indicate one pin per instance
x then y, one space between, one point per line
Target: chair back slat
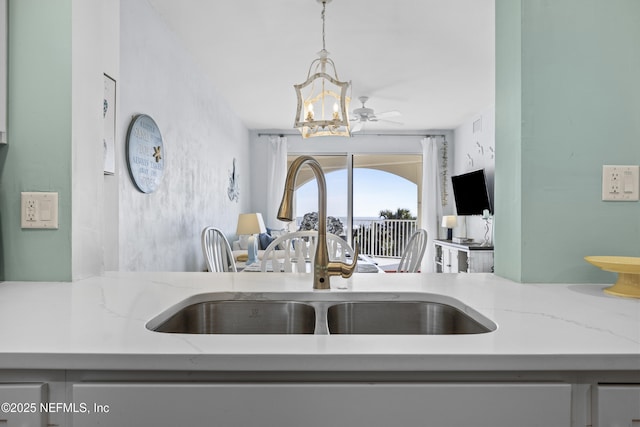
217 251
413 253
295 252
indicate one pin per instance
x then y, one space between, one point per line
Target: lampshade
250 223
322 98
449 221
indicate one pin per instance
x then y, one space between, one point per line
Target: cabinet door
321 405
618 406
449 260
481 261
21 405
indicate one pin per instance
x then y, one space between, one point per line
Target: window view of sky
374 191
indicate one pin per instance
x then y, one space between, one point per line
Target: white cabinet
462 257
325 404
618 406
449 260
21 405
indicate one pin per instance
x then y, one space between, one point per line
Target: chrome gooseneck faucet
323 268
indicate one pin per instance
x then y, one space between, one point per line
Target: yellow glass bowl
628 269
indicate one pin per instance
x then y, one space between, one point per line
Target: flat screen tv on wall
470 192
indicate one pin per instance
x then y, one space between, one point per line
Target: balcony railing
383 237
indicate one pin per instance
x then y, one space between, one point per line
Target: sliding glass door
385 200
373 197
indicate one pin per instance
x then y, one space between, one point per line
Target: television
471 193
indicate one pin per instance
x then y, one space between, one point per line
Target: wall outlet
620 183
39 210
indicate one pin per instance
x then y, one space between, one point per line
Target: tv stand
463 257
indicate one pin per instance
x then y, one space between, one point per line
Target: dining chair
413 252
294 252
217 251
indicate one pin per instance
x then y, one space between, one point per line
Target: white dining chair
295 252
217 251
413 252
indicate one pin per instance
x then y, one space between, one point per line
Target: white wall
201 137
95 49
111 67
473 151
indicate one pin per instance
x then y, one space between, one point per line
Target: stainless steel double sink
321 313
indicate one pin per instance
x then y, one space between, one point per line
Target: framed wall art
109 118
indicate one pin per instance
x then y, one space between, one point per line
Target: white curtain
276 175
431 198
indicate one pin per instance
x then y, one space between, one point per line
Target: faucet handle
345 270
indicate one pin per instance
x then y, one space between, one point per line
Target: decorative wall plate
145 153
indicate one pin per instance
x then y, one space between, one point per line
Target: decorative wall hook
234 188
444 194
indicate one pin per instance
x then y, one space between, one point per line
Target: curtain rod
360 134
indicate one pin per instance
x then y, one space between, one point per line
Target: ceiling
432 60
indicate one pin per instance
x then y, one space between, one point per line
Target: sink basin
242 317
400 317
321 313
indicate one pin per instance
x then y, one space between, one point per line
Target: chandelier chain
322 15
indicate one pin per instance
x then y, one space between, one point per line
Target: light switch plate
620 183
39 210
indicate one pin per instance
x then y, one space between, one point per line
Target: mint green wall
567 102
38 155
508 164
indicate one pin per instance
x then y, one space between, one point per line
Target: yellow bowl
628 269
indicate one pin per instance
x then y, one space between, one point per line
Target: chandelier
322 98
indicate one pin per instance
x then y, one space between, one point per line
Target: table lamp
251 224
448 222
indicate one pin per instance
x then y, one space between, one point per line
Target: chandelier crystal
322 99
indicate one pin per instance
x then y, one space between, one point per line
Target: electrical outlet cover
39 210
620 183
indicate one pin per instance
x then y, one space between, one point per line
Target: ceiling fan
364 114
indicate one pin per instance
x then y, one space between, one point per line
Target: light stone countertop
99 324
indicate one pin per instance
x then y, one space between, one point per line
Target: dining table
365 265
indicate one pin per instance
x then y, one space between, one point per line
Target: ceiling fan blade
357 127
391 122
388 114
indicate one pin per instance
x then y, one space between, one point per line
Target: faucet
323 268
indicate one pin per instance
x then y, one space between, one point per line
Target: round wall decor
145 153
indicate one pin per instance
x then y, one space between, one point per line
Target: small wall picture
109 117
